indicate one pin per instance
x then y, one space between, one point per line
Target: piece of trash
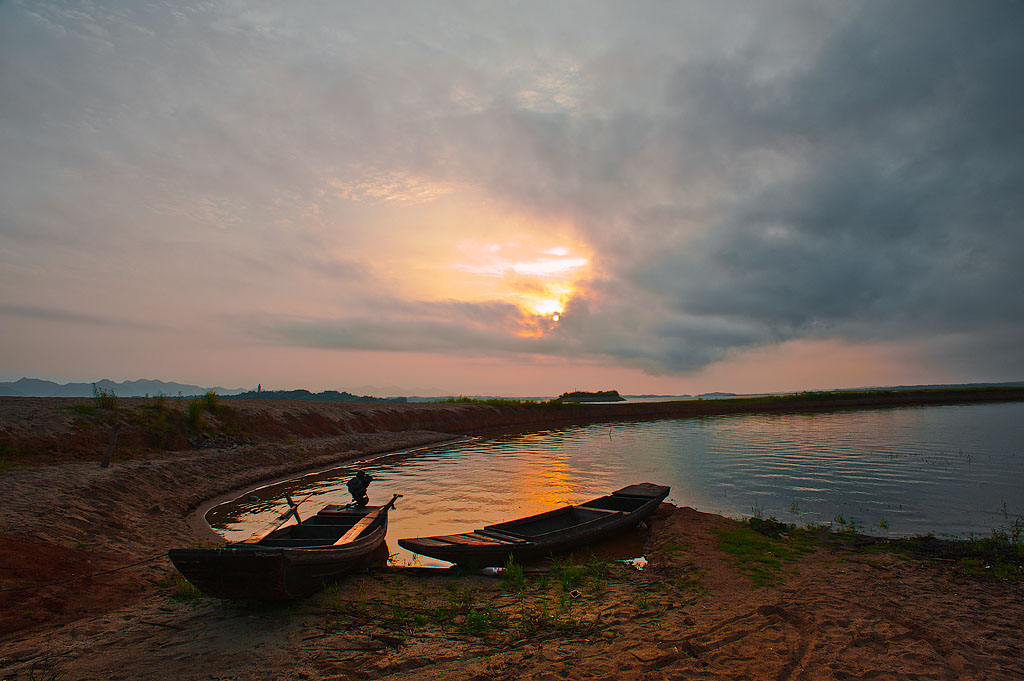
492 571
637 564
575 593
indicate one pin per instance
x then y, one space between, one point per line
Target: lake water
949 470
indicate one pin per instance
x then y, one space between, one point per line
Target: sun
540 279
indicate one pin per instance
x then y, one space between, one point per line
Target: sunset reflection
548 482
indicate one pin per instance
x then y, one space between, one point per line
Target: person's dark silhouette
357 488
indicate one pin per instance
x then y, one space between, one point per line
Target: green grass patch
519 605
184 590
761 557
8 452
1000 555
692 583
83 409
671 548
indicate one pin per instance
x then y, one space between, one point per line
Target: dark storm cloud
882 199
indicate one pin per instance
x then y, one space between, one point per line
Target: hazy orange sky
518 200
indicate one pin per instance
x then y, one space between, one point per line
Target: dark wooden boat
563 529
292 561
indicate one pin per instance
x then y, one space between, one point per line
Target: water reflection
955 469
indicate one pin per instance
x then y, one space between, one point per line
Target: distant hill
325 396
599 396
938 386
34 387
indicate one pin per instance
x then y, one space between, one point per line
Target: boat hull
264 572
557 531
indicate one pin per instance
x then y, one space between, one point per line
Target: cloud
866 191
446 327
49 314
737 175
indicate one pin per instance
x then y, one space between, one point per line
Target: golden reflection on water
547 482
934 469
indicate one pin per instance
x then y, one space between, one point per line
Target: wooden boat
291 561
555 531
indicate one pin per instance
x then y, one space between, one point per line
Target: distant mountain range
941 386
34 387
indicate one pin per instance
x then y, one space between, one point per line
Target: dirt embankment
51 430
62 516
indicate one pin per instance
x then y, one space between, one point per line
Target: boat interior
614 502
320 530
552 521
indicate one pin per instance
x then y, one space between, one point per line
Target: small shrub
210 403
195 415
105 399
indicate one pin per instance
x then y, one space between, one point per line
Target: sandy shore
829 609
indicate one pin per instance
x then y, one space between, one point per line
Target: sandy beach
716 601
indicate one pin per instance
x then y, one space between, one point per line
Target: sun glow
550 300
538 279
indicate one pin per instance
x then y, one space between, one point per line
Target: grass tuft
185 590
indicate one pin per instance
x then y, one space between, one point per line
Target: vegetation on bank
837 398
501 402
598 396
840 396
305 395
764 548
163 422
515 606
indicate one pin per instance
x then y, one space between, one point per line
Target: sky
515 199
